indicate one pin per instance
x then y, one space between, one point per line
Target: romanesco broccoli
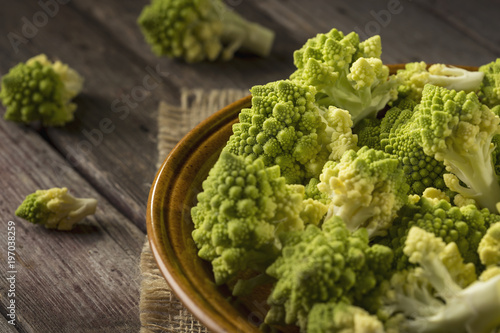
489 93
417 74
367 202
343 317
432 299
339 132
55 208
346 73
243 209
457 129
285 127
400 138
463 225
330 264
197 30
40 90
489 247
366 189
368 131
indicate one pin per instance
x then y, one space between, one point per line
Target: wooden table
88 280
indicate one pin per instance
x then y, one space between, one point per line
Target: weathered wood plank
76 281
111 156
477 20
6 327
410 31
112 141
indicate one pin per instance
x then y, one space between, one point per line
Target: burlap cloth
160 310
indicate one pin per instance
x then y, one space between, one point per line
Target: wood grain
65 281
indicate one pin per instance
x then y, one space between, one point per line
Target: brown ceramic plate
169 226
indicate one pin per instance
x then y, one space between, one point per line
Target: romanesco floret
489 247
197 30
55 208
346 73
330 264
241 213
285 127
40 90
366 189
368 131
489 93
342 317
339 132
430 296
400 138
417 74
463 225
313 192
457 129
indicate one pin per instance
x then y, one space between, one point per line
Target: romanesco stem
479 176
245 35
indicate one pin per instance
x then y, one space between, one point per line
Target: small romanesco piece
368 131
436 296
366 189
465 226
197 30
342 317
401 138
40 90
241 213
55 208
319 265
416 75
489 93
346 73
285 127
340 132
489 247
457 129
435 195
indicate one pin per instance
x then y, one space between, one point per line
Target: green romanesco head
197 30
464 226
284 127
346 73
39 90
338 135
457 129
400 137
336 317
489 92
182 29
416 75
454 121
366 188
489 247
314 193
368 131
432 254
55 208
243 209
330 264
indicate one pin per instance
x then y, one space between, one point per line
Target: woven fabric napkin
160 310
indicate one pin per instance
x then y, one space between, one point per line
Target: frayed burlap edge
160 310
